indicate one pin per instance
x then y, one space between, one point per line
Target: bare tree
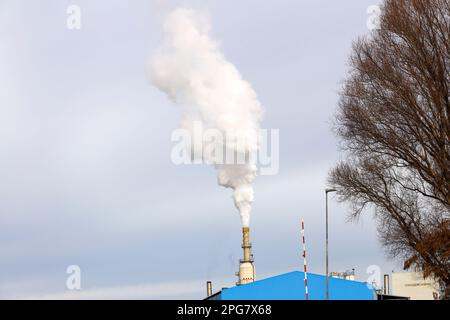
394 125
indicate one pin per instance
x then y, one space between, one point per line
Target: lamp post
327 191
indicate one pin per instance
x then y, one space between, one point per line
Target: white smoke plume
190 68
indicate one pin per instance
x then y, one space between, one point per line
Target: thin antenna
304 260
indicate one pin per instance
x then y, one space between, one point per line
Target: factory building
291 286
342 285
347 275
414 286
296 286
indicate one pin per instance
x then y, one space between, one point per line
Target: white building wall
414 286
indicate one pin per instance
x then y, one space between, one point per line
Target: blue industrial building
291 286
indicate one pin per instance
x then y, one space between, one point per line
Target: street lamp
327 191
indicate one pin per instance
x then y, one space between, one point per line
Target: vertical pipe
246 243
209 288
326 243
305 271
246 268
386 284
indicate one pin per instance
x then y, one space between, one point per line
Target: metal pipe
326 241
246 244
386 284
209 288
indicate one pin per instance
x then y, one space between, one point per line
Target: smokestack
246 243
386 284
246 267
208 288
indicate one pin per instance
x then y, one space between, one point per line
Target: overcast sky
86 176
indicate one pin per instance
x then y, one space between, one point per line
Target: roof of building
291 286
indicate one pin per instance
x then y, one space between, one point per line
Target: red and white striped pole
304 260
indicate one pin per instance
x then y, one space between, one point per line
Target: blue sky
85 169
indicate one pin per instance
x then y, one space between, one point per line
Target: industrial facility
291 286
299 285
414 286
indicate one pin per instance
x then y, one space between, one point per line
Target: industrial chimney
209 288
386 284
246 268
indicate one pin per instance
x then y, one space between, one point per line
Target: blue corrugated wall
291 286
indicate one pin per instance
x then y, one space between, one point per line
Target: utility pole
326 241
